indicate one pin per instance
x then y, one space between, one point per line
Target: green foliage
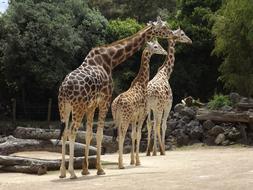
195 71
43 41
118 29
218 101
124 73
233 29
141 10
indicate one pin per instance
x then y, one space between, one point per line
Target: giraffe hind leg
65 111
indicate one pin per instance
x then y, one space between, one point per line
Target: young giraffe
90 86
159 93
129 107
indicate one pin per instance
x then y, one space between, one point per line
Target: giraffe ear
150 23
159 21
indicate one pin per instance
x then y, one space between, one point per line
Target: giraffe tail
62 128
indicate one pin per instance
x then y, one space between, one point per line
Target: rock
234 134
172 123
196 132
168 146
209 140
234 97
178 108
183 140
186 119
244 100
226 108
225 143
220 138
216 130
208 124
190 112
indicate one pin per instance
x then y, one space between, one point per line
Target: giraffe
90 87
159 94
129 107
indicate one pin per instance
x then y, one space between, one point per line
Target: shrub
219 101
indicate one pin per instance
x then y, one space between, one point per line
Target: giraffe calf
130 106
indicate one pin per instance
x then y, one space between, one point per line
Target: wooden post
14 105
49 109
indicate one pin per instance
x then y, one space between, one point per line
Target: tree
43 41
233 29
195 71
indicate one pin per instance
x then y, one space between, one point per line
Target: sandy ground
189 169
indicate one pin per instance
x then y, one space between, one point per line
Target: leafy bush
218 101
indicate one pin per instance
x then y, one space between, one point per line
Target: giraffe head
155 48
180 36
160 29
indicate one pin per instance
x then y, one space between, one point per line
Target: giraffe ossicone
90 87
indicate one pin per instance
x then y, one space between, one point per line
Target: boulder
234 134
196 132
234 97
208 124
220 139
178 108
188 111
216 130
226 108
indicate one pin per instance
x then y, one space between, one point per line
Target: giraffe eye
155 47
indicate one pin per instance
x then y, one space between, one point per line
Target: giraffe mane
127 38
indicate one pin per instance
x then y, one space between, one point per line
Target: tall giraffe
129 107
159 93
90 86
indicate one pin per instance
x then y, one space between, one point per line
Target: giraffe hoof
86 172
62 176
73 177
154 154
121 167
138 163
100 172
132 163
162 154
148 154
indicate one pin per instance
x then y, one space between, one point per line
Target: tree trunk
11 145
108 145
38 166
220 116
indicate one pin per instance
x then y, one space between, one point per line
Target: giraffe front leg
101 122
138 143
133 136
164 125
72 138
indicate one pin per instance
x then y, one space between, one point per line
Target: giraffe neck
127 47
143 75
167 67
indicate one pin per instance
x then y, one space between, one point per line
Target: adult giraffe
159 93
90 86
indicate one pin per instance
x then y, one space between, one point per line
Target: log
108 144
32 169
221 116
38 166
11 145
244 106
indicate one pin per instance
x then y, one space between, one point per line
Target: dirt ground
189 169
